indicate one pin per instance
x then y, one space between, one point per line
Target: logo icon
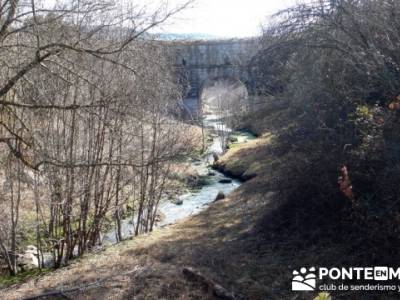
303 280
381 273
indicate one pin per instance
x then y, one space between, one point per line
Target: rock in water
215 157
177 201
220 196
192 180
225 180
160 216
233 139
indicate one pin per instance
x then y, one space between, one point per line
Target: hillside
150 266
244 243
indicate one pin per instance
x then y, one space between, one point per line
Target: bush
335 63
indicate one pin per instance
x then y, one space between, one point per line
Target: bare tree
33 36
83 91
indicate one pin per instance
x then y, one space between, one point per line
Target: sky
223 18
216 18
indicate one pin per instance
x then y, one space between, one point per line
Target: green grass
243 135
7 280
240 137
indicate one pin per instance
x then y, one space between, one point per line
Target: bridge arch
200 62
225 97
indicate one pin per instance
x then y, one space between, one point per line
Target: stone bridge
202 61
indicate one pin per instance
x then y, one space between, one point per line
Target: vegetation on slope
330 71
246 160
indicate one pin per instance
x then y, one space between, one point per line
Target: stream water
194 201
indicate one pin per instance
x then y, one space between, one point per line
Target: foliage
323 296
336 71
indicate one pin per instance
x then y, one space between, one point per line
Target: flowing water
194 201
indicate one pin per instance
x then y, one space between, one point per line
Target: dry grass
222 242
247 160
181 168
156 260
226 243
219 242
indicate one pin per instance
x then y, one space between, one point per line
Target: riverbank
194 186
283 243
224 242
203 185
235 243
247 156
230 243
202 241
183 178
150 266
189 202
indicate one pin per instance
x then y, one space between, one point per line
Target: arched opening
225 98
222 102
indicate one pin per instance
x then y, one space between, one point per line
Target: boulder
220 196
210 173
225 180
29 259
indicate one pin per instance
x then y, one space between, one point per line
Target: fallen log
62 293
217 289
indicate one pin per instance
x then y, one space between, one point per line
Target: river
197 200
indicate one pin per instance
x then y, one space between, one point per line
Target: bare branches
9 18
87 105
78 29
335 68
25 69
84 42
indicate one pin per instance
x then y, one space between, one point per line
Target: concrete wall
200 61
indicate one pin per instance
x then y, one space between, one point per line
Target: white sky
223 18
220 18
